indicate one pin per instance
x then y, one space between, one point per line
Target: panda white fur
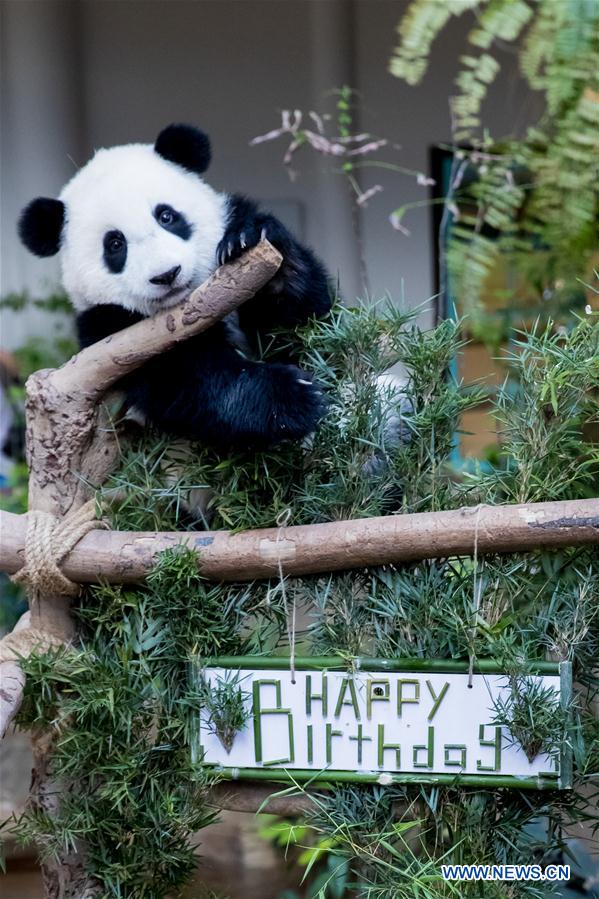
137 229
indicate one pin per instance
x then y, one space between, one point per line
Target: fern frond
557 213
501 20
423 22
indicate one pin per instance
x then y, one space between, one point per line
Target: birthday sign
374 723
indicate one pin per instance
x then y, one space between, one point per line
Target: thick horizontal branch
127 557
277 799
255 797
98 367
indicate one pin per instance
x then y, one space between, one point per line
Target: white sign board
380 725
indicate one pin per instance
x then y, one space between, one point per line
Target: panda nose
166 277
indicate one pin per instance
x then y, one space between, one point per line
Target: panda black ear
187 146
40 226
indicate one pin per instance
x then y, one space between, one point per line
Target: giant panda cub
137 229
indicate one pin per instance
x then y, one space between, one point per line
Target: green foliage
124 703
542 413
57 302
352 468
418 29
384 858
537 192
325 869
225 707
124 709
40 351
14 498
533 716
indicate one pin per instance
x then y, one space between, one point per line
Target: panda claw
229 250
242 241
302 381
263 234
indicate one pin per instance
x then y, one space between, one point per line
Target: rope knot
48 542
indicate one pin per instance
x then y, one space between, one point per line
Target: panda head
136 226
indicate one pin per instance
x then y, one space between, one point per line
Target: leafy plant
124 703
532 714
543 412
225 706
325 871
44 351
534 197
124 710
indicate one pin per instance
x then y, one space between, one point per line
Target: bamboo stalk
363 663
127 557
326 778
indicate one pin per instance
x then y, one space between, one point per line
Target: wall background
82 74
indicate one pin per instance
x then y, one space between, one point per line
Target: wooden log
256 797
278 799
12 680
126 557
95 369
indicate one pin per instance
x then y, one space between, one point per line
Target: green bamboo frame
364 663
327 778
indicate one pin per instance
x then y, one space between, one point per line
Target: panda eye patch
172 221
115 251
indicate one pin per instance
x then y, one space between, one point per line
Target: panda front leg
298 291
205 390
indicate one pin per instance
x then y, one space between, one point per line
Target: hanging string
283 519
477 585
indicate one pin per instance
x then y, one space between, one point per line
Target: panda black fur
137 229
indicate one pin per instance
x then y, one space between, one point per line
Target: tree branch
95 369
12 679
127 556
243 796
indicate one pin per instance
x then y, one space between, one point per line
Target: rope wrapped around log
48 541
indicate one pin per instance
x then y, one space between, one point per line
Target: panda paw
242 236
297 403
